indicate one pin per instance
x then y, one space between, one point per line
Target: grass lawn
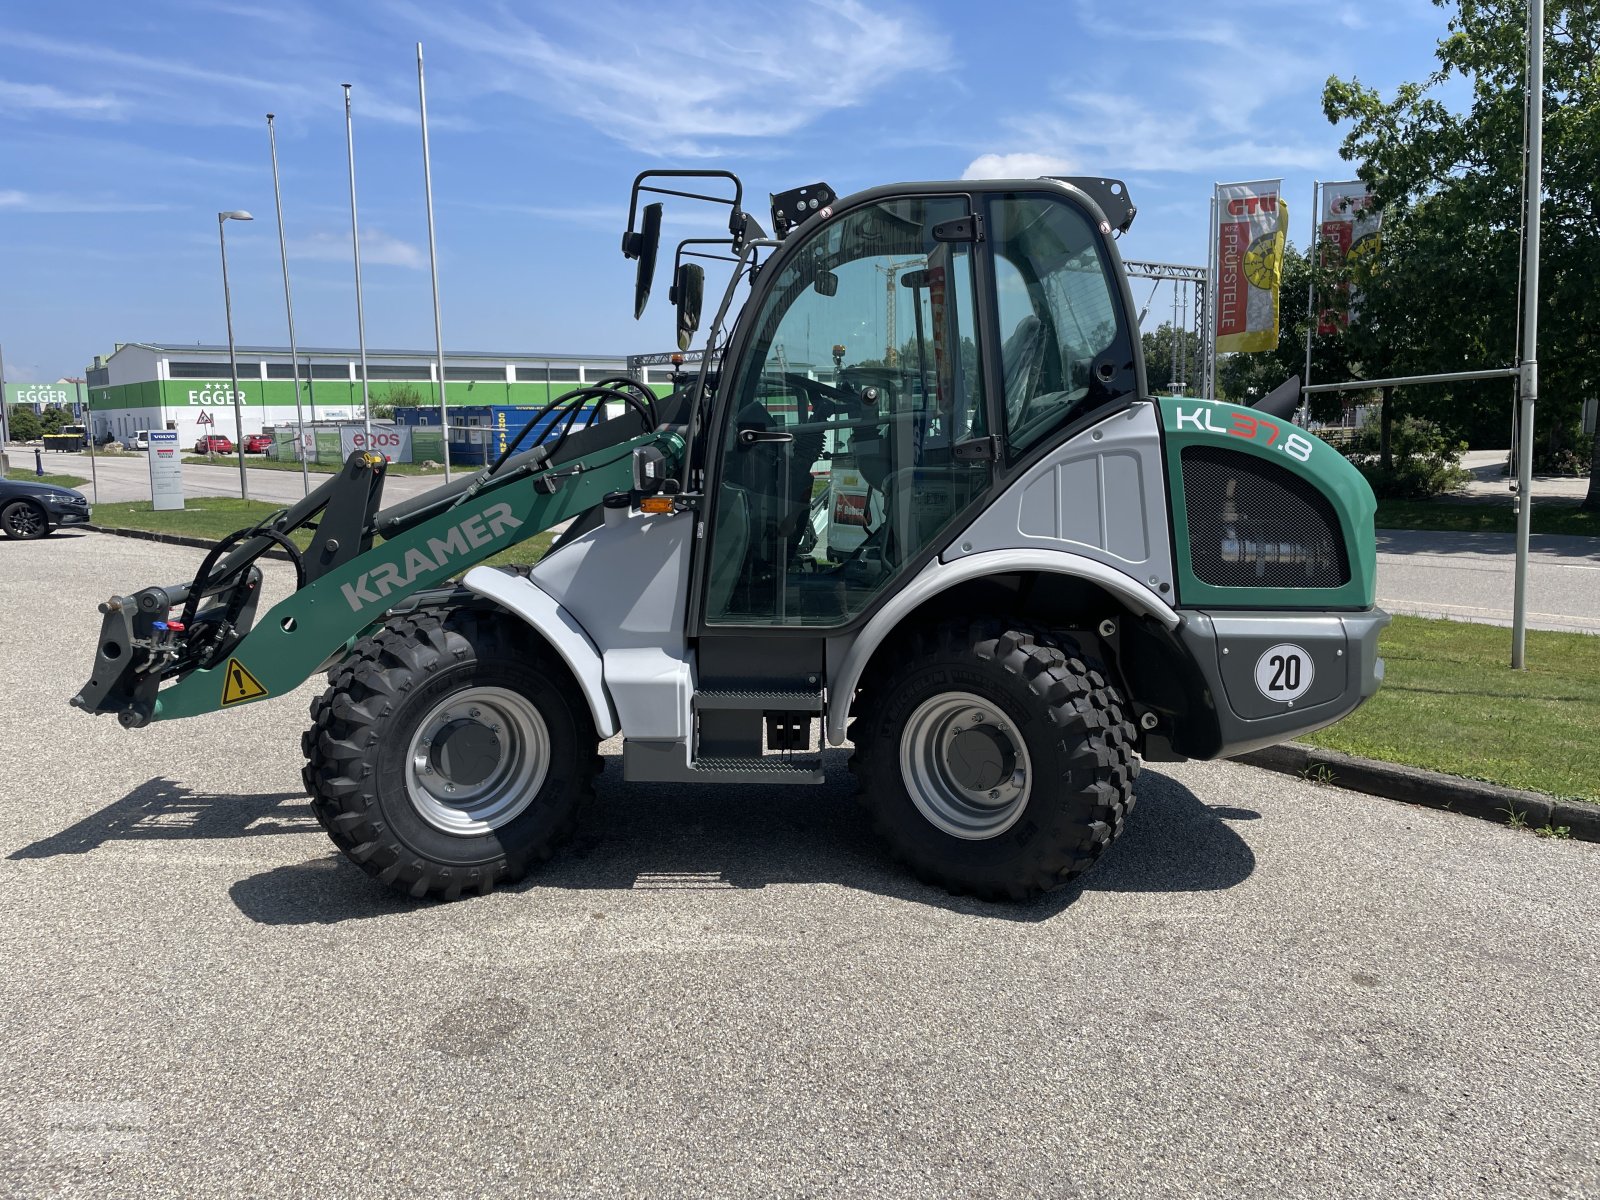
70 481
1457 517
213 517
1450 703
257 463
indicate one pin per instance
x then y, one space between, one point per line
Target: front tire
996 761
447 756
23 521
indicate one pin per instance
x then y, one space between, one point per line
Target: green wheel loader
915 496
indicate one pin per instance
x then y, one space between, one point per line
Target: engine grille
1254 524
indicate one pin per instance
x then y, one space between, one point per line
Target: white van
139 441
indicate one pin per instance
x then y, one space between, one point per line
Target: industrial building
145 385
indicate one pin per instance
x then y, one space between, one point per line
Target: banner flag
1252 220
1348 229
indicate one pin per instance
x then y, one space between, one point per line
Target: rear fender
519 595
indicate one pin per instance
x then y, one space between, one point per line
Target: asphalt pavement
124 477
1471 577
1268 987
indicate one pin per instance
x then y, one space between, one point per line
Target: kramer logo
474 532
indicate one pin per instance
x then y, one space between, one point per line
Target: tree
52 419
1167 358
25 425
1444 296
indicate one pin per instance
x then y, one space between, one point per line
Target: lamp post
233 360
88 423
288 304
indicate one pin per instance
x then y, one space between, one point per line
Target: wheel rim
477 760
23 521
965 765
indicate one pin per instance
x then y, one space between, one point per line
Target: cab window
1064 350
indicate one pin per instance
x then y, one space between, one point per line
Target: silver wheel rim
937 758
476 796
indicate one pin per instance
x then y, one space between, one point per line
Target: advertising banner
39 395
391 441
1251 223
166 470
1348 228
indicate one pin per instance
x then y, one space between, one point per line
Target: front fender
569 639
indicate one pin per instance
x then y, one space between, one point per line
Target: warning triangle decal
238 684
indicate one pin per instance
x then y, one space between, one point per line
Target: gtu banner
1348 228
1251 222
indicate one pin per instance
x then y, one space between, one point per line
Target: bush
24 425
1424 462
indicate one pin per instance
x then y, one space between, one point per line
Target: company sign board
166 469
41 395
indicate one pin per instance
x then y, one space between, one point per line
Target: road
1470 577
1268 988
127 477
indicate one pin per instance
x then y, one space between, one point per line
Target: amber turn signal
655 504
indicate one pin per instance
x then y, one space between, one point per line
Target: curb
171 539
1428 789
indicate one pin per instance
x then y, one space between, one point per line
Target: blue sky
125 128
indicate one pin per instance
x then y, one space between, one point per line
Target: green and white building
144 385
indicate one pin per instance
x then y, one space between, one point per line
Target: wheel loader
912 496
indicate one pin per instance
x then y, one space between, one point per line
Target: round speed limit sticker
1284 672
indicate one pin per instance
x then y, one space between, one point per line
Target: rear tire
995 760
448 754
24 521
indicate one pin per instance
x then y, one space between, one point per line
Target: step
754 701
764 769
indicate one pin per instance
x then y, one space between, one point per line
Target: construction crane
891 348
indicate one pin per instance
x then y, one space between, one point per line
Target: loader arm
142 674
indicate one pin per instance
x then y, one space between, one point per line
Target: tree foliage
1442 295
24 424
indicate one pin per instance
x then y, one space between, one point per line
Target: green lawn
1457 517
70 481
213 517
1451 703
258 463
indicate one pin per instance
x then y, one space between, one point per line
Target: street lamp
233 361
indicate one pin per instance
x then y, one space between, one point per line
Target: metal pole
288 304
5 416
1311 282
1529 383
233 361
1210 332
88 424
433 265
355 241
1366 385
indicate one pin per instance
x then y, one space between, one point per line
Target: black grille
1254 524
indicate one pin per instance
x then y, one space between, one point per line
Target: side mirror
643 246
688 293
826 283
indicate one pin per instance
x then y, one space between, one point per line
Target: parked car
257 443
213 443
31 510
140 440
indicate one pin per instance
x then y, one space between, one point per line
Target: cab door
856 431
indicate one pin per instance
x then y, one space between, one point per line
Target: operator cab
903 354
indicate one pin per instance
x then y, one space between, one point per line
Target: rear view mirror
688 293
643 246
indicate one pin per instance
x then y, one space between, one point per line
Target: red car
213 443
257 443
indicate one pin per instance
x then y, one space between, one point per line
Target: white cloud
1016 166
377 249
20 98
13 200
686 80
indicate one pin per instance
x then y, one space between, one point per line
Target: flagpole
1311 286
433 266
1529 382
355 241
1211 300
288 304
